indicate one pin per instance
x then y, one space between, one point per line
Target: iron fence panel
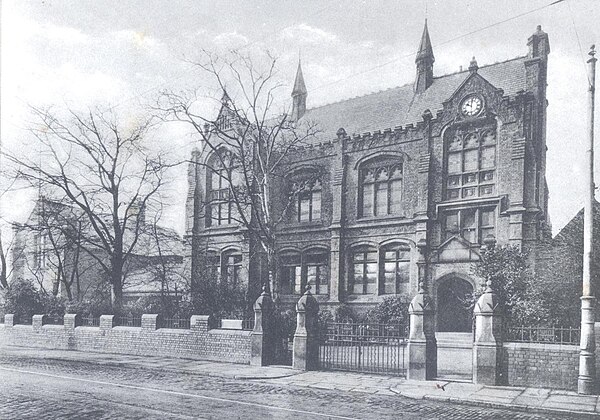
369 348
541 334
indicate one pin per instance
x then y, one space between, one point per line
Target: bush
23 300
344 312
393 309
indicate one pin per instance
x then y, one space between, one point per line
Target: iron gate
372 348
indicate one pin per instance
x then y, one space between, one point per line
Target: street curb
518 407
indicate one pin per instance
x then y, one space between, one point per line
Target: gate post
487 348
306 340
261 338
422 346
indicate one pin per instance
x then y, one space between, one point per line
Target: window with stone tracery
380 191
470 164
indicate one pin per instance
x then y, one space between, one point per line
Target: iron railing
53 320
248 324
175 323
538 334
89 321
128 321
357 347
24 320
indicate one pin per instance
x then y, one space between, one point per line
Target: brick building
55 246
405 184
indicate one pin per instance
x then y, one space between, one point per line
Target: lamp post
586 382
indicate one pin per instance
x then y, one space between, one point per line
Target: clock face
471 106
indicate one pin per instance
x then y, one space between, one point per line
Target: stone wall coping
86 327
26 327
150 316
174 331
542 346
126 328
53 327
220 331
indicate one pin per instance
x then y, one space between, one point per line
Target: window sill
383 217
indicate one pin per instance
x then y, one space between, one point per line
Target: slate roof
400 106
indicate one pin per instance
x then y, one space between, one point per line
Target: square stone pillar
200 323
37 321
422 345
149 321
262 342
107 322
71 321
306 337
487 348
9 320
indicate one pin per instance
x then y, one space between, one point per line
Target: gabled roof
400 106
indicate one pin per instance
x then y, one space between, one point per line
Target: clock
471 106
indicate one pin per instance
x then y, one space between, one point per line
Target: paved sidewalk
521 398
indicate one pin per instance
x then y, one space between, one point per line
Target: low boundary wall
541 365
199 342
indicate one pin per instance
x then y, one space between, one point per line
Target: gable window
311 267
222 208
470 165
308 204
363 280
380 190
395 270
472 225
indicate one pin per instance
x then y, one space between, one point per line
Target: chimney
538 44
424 63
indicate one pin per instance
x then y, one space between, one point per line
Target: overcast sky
81 53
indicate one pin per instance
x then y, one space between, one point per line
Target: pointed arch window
380 190
470 164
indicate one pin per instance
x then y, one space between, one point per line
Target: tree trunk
3 268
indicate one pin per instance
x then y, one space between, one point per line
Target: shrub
393 309
22 299
344 312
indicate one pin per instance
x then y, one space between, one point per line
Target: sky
85 53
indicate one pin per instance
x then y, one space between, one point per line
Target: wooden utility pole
586 382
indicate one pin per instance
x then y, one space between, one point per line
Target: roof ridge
411 83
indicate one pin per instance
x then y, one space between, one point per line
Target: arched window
363 279
222 176
470 164
380 189
291 273
298 270
231 266
395 271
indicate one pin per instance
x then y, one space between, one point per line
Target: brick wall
541 365
199 342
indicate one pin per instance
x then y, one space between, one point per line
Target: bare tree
105 171
250 139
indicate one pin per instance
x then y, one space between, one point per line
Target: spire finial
473 66
424 60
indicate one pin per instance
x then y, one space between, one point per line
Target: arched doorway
453 314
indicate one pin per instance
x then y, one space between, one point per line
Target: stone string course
199 342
